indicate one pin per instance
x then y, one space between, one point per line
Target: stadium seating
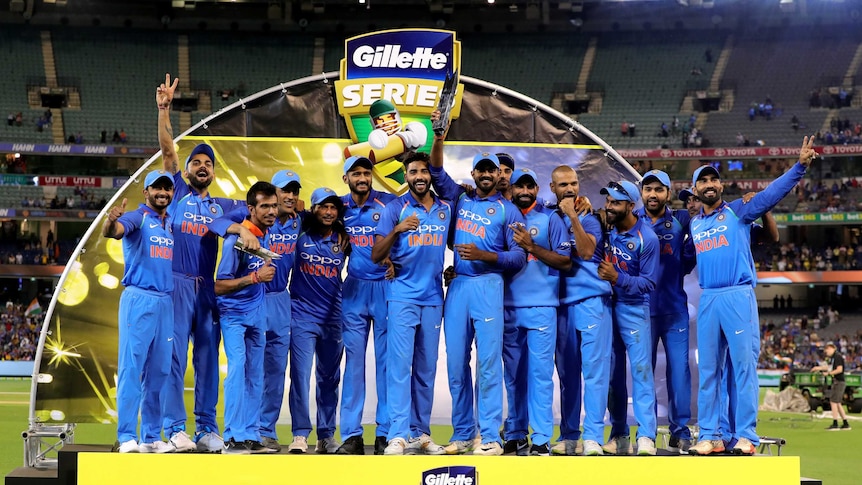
21 58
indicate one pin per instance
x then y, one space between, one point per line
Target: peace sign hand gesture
165 92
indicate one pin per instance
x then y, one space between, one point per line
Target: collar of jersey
715 212
632 230
251 227
492 198
413 202
349 202
150 211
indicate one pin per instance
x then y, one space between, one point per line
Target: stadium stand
21 58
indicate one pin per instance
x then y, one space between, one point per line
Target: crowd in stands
19 333
765 109
44 120
800 257
79 201
28 249
841 132
799 341
823 98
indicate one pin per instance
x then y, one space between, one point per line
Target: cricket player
195 312
240 292
584 326
413 232
530 335
668 302
144 359
507 167
727 319
315 291
484 247
365 293
631 266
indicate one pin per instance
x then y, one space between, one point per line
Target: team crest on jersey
441 215
294 224
213 209
630 245
336 248
534 231
667 224
721 217
491 211
376 216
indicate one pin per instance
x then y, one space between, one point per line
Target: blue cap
521 173
323 194
658 175
156 175
506 159
284 177
702 171
486 156
684 194
353 161
202 148
622 190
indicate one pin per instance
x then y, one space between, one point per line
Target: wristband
255 278
165 107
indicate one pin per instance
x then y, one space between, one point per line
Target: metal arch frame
64 431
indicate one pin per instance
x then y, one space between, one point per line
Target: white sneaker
157 447
423 445
182 442
489 449
130 446
592 448
298 445
327 446
395 447
646 446
209 442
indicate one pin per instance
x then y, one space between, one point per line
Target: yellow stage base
113 468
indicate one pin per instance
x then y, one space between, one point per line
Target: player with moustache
727 319
316 301
668 302
530 315
507 168
365 292
195 311
484 246
240 290
413 232
144 345
631 266
584 326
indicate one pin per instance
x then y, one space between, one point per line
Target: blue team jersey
635 254
722 239
282 240
360 221
669 297
486 223
196 247
417 255
537 284
235 264
148 249
582 280
315 288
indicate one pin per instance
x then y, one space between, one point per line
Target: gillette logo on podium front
410 53
451 475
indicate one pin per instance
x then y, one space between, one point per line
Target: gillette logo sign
391 56
451 475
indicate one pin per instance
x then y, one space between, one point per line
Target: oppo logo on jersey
161 240
708 233
255 264
710 239
427 235
665 237
197 217
619 253
161 247
195 224
282 243
472 216
318 259
430 228
317 265
361 236
281 238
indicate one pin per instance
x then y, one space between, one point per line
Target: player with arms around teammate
668 302
365 292
144 318
194 297
531 300
584 327
315 291
413 232
484 248
727 319
240 288
631 266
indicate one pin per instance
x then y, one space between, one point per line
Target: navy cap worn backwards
662 177
323 194
202 148
622 190
703 171
284 177
522 173
354 161
684 194
155 175
506 159
486 157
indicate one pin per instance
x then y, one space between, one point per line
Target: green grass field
829 456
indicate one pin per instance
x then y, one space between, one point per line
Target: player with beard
195 312
240 289
315 290
507 167
365 295
631 266
530 334
727 319
583 323
413 232
144 343
668 302
484 247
